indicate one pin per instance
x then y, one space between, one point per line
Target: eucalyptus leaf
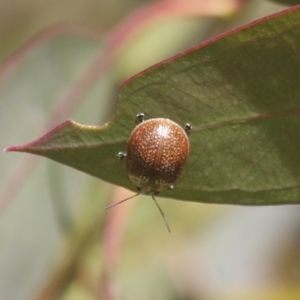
241 93
287 2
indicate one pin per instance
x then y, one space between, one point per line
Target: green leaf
240 92
288 2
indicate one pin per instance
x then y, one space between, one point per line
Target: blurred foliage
20 20
56 241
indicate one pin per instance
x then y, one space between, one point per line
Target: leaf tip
13 149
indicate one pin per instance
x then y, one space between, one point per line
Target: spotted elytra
157 150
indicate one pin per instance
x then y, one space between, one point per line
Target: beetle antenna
165 220
110 206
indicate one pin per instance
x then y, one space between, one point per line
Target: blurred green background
56 240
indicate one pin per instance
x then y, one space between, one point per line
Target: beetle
157 150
